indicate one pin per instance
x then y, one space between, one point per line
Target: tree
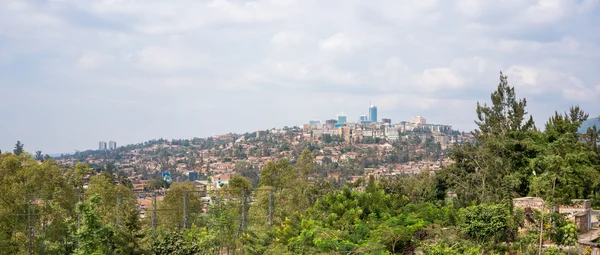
28 185
485 222
238 186
18 148
565 170
158 183
171 208
173 242
397 232
496 167
115 199
279 175
443 248
93 237
306 164
129 234
506 113
39 156
249 171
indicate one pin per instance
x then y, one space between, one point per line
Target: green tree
397 232
173 242
238 185
171 208
565 170
39 156
443 248
129 234
18 148
93 237
115 199
485 222
496 168
27 185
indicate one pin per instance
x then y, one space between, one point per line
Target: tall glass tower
373 113
342 118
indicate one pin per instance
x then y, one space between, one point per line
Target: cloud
537 81
436 78
287 38
338 43
192 61
91 60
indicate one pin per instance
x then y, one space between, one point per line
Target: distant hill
589 123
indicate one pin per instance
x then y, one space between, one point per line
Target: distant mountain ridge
589 123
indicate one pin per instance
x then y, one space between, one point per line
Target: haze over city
73 73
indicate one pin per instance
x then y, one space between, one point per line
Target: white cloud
164 60
537 81
547 11
420 57
338 43
287 38
435 79
91 60
469 8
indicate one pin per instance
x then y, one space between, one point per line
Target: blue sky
73 73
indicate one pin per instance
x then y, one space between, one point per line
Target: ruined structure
579 211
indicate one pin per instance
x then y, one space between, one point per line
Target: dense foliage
287 208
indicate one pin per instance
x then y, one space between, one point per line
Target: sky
73 73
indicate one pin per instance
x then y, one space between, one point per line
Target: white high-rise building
112 145
418 120
102 146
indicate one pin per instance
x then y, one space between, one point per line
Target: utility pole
541 228
271 202
541 232
30 223
242 227
117 208
185 209
80 199
154 210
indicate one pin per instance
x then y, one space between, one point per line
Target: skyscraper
363 118
112 145
342 118
102 146
418 120
373 113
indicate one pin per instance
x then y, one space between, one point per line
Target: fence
28 222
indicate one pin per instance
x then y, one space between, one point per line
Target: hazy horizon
73 73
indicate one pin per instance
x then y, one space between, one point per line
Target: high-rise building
102 146
314 122
341 118
373 113
112 145
387 121
418 120
363 118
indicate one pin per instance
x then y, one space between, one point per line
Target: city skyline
147 68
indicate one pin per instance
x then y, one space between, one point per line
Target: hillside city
399 187
284 127
344 152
